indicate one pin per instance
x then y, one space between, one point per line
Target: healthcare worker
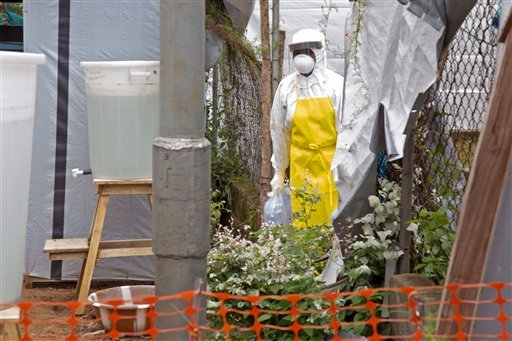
304 125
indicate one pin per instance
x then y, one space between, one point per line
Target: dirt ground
49 316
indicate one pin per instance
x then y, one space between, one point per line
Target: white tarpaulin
394 62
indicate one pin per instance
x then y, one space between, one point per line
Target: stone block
245 204
426 300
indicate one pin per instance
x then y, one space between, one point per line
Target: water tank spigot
79 172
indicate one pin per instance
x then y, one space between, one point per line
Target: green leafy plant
367 253
434 239
378 240
307 198
226 161
360 314
216 207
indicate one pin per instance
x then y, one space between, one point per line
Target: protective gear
306 45
305 120
313 142
304 64
312 40
277 182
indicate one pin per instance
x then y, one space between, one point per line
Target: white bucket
18 73
123 110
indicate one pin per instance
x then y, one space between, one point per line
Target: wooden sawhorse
9 323
92 248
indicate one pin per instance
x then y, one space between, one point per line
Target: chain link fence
453 114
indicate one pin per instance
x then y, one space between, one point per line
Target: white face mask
304 63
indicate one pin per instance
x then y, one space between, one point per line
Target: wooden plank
107 248
266 103
82 245
12 314
106 253
482 196
66 245
68 255
85 278
10 331
126 252
124 189
122 182
128 243
150 201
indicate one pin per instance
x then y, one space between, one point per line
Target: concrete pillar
181 164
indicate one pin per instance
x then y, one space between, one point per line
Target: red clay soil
49 316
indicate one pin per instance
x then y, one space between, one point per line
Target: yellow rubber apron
312 144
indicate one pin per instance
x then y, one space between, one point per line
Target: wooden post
275 46
266 102
482 196
215 106
282 38
406 204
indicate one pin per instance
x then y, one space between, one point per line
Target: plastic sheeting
98 31
396 61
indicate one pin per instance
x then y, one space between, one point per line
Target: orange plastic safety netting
373 314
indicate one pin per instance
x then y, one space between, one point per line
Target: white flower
384 234
367 229
372 242
413 227
379 209
373 200
392 254
380 218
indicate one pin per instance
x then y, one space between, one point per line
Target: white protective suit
320 83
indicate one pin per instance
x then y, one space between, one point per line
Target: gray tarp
396 61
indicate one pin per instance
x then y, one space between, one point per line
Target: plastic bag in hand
278 209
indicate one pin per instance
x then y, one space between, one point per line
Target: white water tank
123 111
18 73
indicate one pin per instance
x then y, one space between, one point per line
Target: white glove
277 182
